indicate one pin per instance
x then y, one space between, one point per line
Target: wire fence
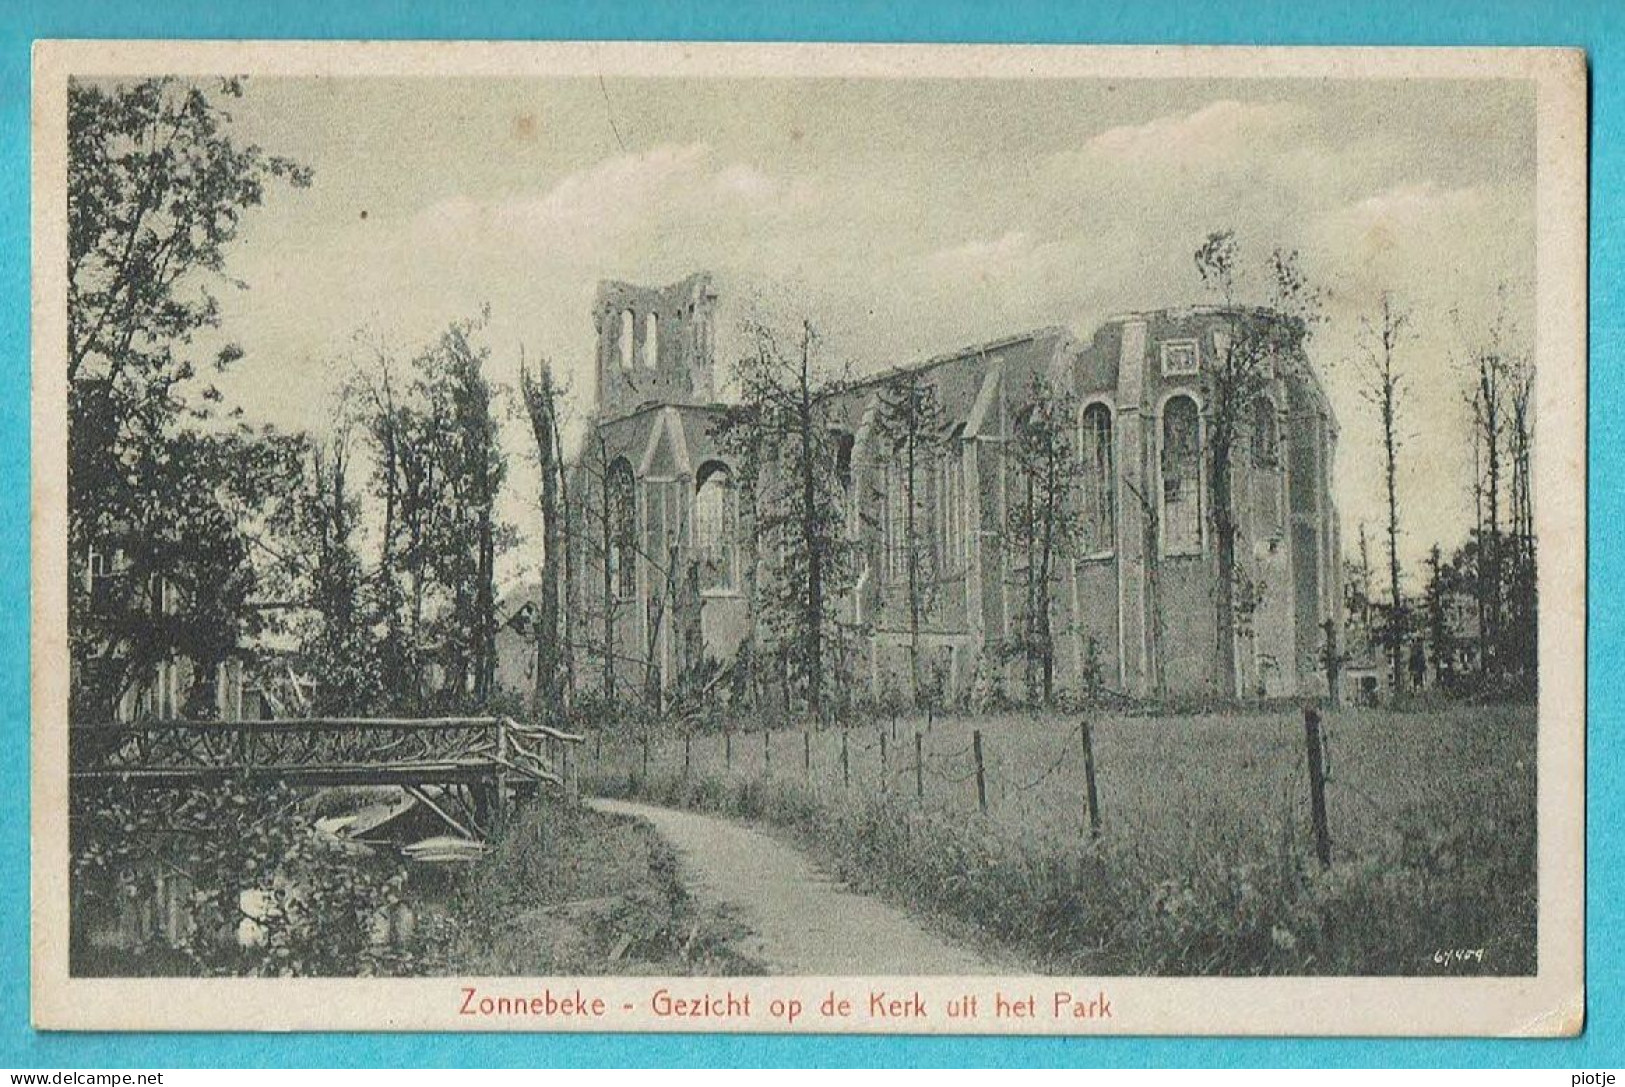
1188 782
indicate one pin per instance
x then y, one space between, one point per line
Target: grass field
569 891
1204 863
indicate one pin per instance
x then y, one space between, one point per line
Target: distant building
1137 600
255 680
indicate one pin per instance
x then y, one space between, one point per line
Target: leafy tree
438 469
170 575
157 189
317 578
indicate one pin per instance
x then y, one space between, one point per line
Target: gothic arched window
1265 448
621 492
623 339
1181 477
716 529
651 340
1099 483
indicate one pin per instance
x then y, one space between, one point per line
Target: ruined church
1135 608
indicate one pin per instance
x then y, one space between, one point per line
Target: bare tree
1042 523
912 422
1259 342
541 404
1384 387
1501 382
783 422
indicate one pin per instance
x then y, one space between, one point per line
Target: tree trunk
1390 447
913 556
815 567
546 689
566 553
485 611
1224 540
606 523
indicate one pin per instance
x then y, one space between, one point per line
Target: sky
905 217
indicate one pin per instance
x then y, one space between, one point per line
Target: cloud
1427 238
603 199
1226 129
985 258
1415 203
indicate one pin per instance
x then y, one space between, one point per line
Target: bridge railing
329 750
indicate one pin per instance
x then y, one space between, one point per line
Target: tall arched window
950 511
716 529
1181 477
1099 490
894 524
623 340
651 340
621 493
844 442
1265 478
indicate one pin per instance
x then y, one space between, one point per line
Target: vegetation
157 189
375 545
1258 344
1203 867
911 421
781 433
1499 558
571 891
1385 388
1042 526
436 471
252 888
260 891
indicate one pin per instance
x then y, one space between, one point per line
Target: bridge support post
571 776
499 799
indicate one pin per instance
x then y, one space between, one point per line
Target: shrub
266 893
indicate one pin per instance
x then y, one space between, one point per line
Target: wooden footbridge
486 760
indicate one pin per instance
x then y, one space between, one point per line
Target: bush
266 894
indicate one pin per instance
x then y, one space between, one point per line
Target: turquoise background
1598 27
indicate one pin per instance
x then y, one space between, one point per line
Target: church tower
655 344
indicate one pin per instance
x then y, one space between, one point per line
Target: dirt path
801 921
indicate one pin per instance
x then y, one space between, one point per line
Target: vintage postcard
705 537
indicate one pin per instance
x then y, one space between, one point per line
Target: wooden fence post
687 741
728 749
885 771
1317 786
981 775
645 760
1089 777
846 765
919 768
767 752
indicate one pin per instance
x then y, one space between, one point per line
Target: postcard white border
1550 1003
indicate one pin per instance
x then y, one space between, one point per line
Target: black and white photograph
592 537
